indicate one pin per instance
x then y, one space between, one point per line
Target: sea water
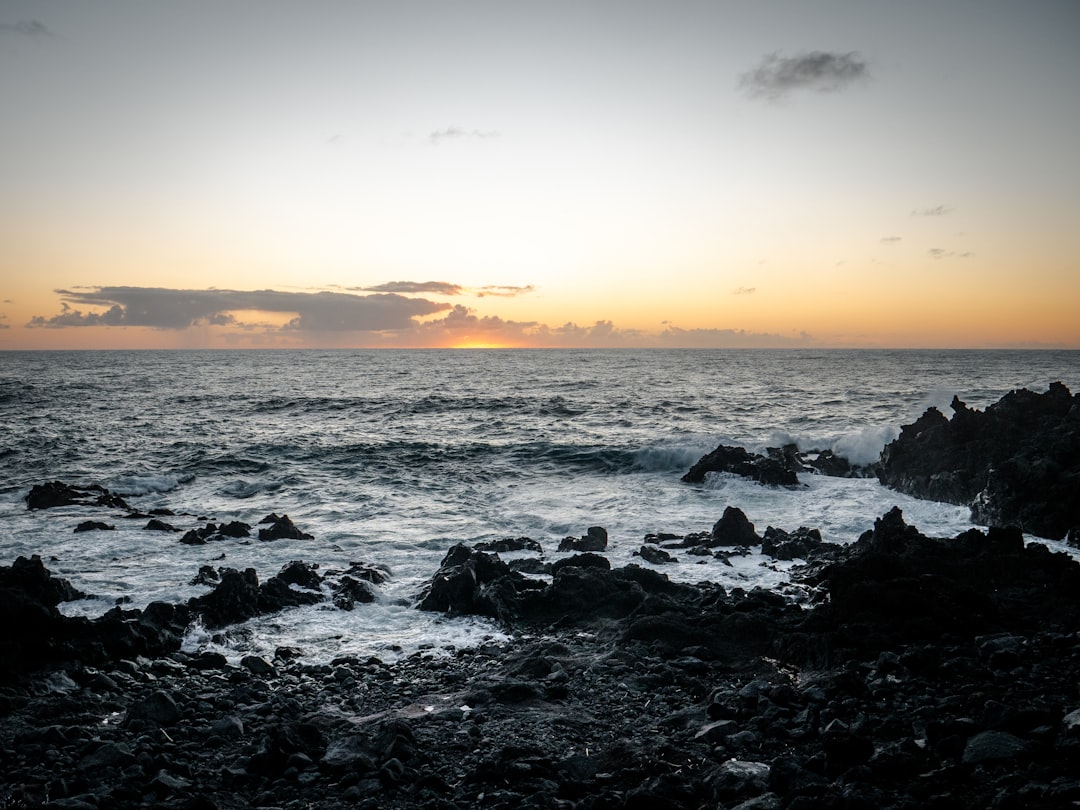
391 457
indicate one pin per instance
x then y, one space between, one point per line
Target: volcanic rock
57 493
1016 463
734 529
595 539
509 544
93 526
739 461
212 531
281 528
348 591
30 577
238 596
654 555
803 543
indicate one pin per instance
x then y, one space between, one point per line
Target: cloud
678 338
936 211
503 291
777 75
343 319
744 291
891 240
447 288
461 325
433 287
159 308
26 28
457 133
941 253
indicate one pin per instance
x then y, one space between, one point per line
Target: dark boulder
347 592
584 590
595 539
734 529
238 596
471 582
281 528
30 576
38 636
300 573
368 572
509 544
585 560
1016 463
654 555
803 543
155 525
57 493
234 599
93 526
212 532
158 630
773 471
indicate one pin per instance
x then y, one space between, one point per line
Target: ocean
391 457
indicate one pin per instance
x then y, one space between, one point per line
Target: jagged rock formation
1016 463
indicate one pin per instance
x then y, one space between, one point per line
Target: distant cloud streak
447 288
744 291
159 308
407 287
777 76
26 28
457 133
941 253
730 339
891 240
936 211
501 291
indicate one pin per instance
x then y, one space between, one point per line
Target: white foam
865 446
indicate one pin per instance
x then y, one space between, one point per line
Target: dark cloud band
26 28
179 309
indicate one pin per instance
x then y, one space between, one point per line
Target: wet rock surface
57 493
917 672
1015 463
779 467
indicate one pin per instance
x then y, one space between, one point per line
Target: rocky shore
901 671
918 673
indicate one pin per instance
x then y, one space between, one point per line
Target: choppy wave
392 456
142 484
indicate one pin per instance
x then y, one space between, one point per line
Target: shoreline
928 674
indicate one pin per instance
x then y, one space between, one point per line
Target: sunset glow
419 175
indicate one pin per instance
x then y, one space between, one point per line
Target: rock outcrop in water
56 493
1016 463
739 461
780 467
37 635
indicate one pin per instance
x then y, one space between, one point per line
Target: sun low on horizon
499 175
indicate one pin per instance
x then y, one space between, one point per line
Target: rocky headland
1016 463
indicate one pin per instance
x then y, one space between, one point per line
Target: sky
433 173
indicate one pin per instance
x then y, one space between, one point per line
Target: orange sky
672 174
